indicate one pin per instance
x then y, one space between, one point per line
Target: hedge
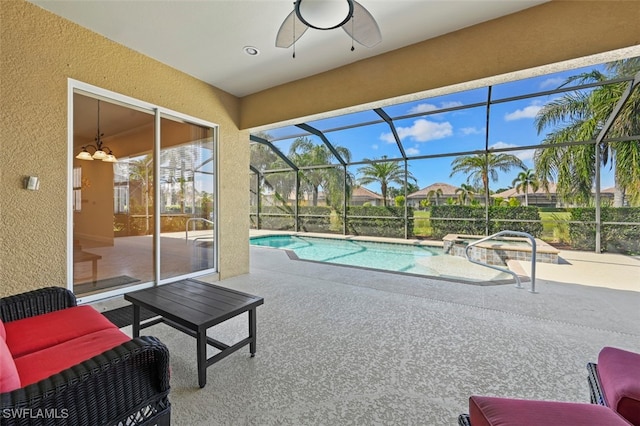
471 220
315 219
614 238
286 222
387 221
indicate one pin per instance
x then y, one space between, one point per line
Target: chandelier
100 151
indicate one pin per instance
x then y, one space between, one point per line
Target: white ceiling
205 38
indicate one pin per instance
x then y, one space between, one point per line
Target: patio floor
338 345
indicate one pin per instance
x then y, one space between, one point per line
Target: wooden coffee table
192 307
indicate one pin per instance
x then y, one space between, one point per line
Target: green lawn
421 226
555 227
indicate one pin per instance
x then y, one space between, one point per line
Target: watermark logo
31 413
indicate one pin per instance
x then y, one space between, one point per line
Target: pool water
390 257
407 258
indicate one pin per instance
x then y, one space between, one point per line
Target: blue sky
511 124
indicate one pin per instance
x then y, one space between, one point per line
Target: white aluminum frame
75 86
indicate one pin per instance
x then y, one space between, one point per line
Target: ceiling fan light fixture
349 15
324 14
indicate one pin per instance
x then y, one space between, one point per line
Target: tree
524 181
580 116
481 168
384 173
465 193
141 171
263 158
304 152
435 193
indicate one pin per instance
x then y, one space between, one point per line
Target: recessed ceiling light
251 51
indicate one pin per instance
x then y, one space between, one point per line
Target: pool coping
513 265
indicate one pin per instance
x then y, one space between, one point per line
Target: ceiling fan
354 19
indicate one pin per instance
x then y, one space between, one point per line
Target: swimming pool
405 258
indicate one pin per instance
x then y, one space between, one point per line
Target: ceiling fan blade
290 31
362 27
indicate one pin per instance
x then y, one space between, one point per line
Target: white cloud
526 112
421 131
451 104
471 131
412 151
420 108
523 155
374 146
552 82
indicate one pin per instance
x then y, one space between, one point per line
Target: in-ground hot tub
499 250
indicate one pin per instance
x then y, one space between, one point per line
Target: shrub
379 221
283 219
470 220
614 238
314 218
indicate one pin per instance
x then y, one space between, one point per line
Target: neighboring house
545 198
436 193
361 195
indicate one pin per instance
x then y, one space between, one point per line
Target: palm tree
436 193
304 152
384 173
580 116
524 181
465 193
141 170
481 168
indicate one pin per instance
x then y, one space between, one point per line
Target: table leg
252 331
94 270
136 321
202 357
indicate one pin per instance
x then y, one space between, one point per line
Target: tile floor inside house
338 345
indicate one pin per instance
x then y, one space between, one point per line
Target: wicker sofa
76 368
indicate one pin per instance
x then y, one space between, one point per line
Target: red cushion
39 365
619 373
3 333
9 379
490 411
42 331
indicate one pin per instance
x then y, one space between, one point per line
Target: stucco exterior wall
40 51
546 34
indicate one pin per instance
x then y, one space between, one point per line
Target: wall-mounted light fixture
99 149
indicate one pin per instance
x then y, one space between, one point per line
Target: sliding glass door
187 182
142 208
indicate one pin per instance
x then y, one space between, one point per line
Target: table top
194 304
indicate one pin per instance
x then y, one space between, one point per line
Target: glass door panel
187 194
112 201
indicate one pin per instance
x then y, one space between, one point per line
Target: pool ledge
498 252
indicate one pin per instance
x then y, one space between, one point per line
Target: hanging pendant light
99 149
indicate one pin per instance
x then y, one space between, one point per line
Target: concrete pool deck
340 345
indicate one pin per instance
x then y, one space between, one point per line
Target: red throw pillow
3 333
9 379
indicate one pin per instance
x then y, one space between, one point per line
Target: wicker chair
126 385
614 382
